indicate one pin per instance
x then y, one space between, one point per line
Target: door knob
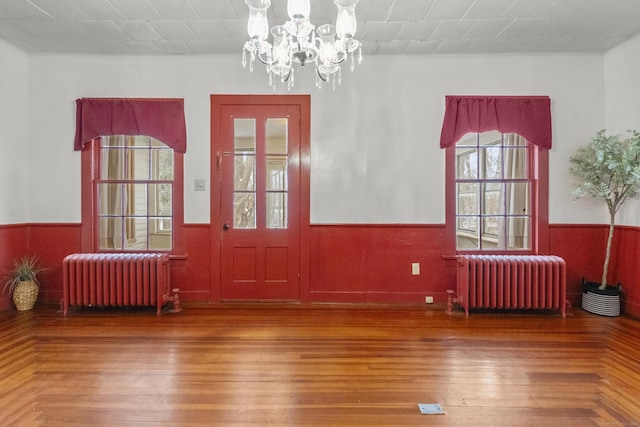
225 227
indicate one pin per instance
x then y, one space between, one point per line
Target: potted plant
609 168
22 282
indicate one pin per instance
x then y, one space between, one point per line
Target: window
497 174
493 192
496 195
134 193
134 190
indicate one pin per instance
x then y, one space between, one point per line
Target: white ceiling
405 27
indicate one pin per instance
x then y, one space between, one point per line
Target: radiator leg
174 300
567 308
451 300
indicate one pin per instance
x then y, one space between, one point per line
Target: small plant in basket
22 282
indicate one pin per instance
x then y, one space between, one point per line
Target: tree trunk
603 283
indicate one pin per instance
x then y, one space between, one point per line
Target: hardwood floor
317 365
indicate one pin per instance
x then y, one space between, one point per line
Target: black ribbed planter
604 302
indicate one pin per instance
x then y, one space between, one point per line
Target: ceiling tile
143 47
448 10
231 46
218 10
487 9
392 46
530 9
139 30
204 46
104 30
174 30
138 10
590 27
210 30
625 27
620 8
451 30
174 47
561 8
486 46
420 30
382 30
175 9
422 46
60 9
487 28
98 9
453 46
21 10
410 10
373 10
523 28
51 30
236 29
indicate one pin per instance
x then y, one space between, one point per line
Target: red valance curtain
162 119
529 116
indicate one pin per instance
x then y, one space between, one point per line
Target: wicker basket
25 295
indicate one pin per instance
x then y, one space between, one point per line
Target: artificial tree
609 168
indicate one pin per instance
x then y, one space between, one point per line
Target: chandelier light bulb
299 9
258 24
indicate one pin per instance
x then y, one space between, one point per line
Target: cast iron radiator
510 282
136 279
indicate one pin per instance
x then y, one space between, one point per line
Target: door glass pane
244 197
276 173
277 210
276 136
244 215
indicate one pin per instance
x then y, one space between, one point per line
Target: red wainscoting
14 242
372 263
349 263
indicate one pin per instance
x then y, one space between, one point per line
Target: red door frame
304 103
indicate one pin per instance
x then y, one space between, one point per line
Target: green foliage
609 168
24 269
610 171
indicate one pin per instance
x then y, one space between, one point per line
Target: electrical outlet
428 300
415 268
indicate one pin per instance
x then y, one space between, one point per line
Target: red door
259 172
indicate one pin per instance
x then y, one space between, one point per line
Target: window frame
539 173
90 170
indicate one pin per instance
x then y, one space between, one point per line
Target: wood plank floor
296 365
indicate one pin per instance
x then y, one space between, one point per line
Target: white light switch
415 268
199 185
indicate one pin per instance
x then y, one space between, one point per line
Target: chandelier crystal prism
297 42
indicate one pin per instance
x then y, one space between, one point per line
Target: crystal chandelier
297 42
